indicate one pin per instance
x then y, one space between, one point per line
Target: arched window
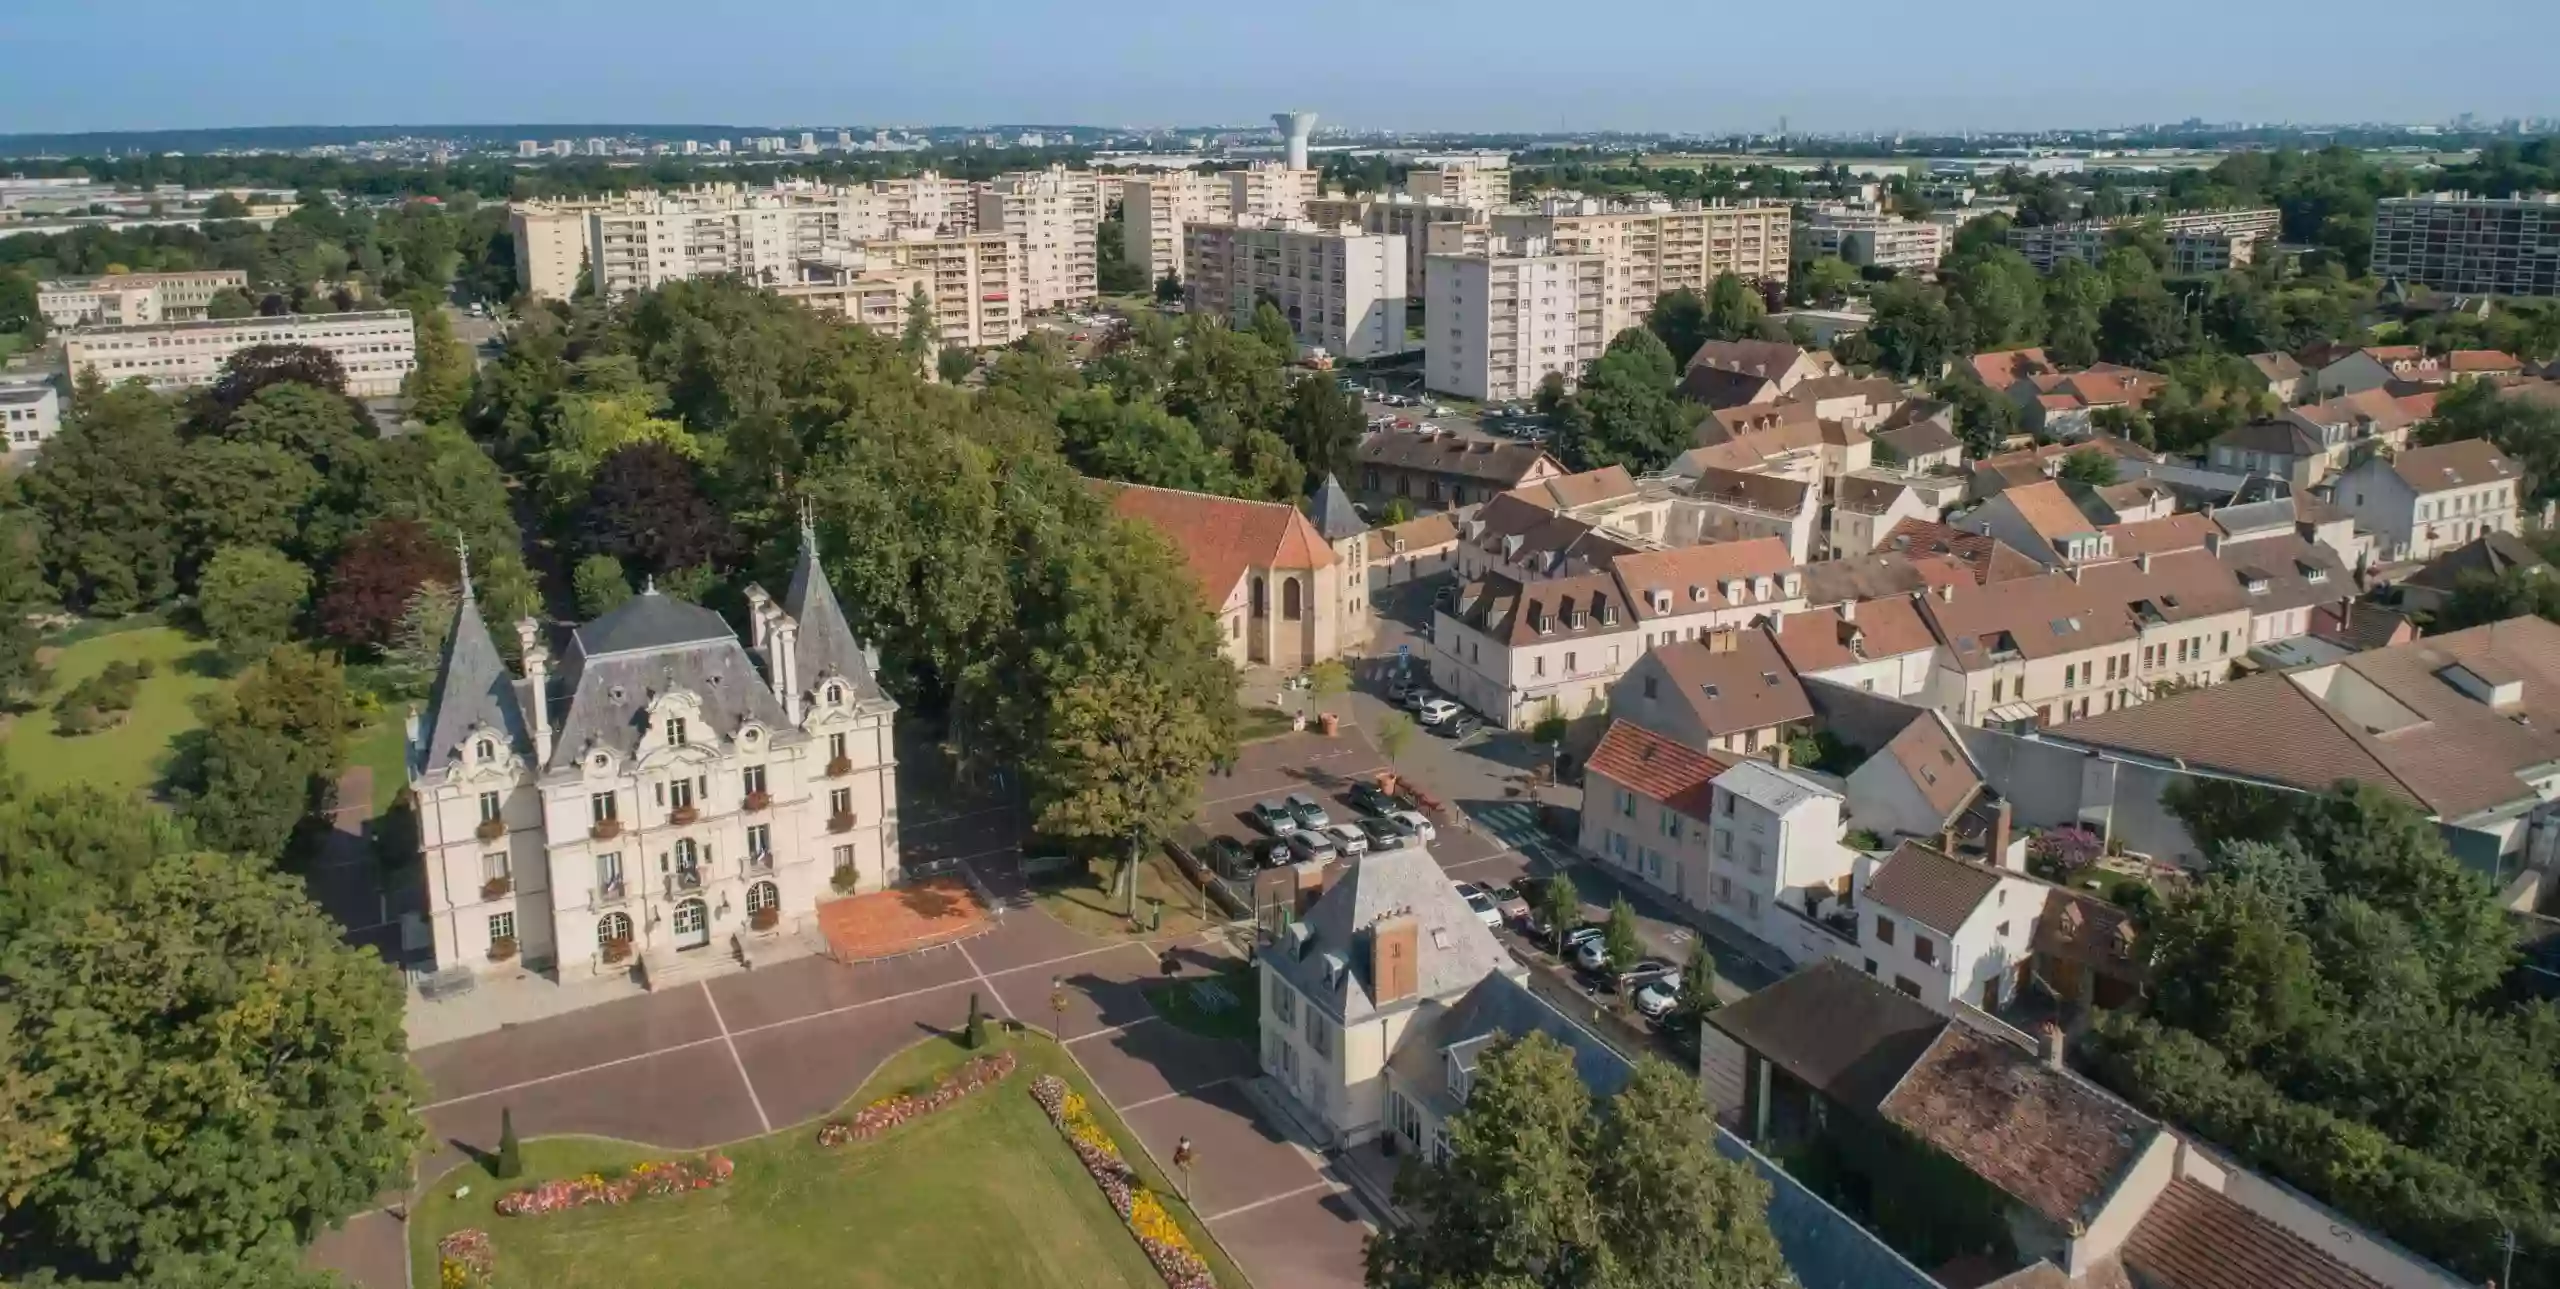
488 751
1289 607
762 896
1261 603
835 693
613 927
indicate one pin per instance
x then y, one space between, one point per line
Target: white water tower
1296 126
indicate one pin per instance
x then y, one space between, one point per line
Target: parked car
1400 685
1304 809
1511 904
1440 410
1478 902
1415 697
1459 726
1655 998
1312 847
1274 817
1646 971
1228 857
1592 955
1416 823
1437 710
1272 852
1369 798
1383 834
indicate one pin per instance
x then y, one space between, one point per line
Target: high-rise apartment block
973 281
1497 322
1154 209
376 349
2470 245
2212 232
1468 179
1275 192
127 299
1341 289
1654 246
1865 237
638 241
1403 215
1052 214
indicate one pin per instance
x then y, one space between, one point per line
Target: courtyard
877 1213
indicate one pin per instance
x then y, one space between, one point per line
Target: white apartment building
1154 209
2086 240
1866 237
377 349
2426 501
1499 322
551 249
640 240
129 299
692 794
1341 289
1657 246
1051 215
974 281
30 415
1415 219
1274 192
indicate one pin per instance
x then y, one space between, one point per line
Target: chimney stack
2000 829
1395 973
1782 753
537 681
1848 610
757 601
2049 1044
2213 543
2142 561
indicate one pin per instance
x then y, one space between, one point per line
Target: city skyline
1128 63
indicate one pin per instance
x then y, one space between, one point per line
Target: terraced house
695 799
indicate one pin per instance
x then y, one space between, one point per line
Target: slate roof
826 642
1454 950
2052 1142
1335 518
2465 464
1658 768
1918 439
1719 388
1836 1029
2283 438
472 689
1770 358
1517 613
1868 496
1930 887
611 687
1492 461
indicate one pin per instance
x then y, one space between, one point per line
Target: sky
1488 65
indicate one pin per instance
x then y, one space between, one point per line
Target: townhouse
1520 651
1727 691
1441 470
1881 646
1866 505
2425 501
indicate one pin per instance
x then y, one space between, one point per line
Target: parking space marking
752 1098
1320 1184
1110 1030
565 1074
982 979
1248 796
1177 1092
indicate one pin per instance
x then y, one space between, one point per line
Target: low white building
376 349
2426 501
1946 930
689 797
30 415
125 299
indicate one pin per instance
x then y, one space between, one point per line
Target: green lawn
137 753
1226 1005
383 748
1085 901
985 1193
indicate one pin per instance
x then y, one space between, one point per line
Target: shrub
888 1112
2057 854
510 1154
654 1177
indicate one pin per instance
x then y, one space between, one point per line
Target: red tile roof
1822 640
2197 1238
2054 1143
1991 559
1222 537
1658 769
2001 368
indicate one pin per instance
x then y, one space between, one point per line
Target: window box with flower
682 815
839 767
502 949
497 887
605 829
758 801
491 829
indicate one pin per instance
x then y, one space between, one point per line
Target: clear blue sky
1489 64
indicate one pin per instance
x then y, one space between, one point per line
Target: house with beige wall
1283 597
2426 501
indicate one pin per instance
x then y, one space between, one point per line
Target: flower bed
888 1112
655 1177
1162 1238
464 1261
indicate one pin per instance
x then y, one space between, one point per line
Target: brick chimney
2000 826
1395 969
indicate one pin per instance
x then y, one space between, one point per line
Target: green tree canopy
250 597
101 495
271 752
1634 418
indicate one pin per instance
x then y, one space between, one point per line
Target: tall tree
376 573
1273 330
1673 1212
1679 321
1512 1204
250 596
601 586
101 496
227 1077
1323 426
441 381
1123 763
271 753
231 493
916 339
646 508
1913 334
22 595
1635 420
1734 311
70 845
255 368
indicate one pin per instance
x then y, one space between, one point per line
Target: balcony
609 895
840 822
490 829
760 861
682 815
684 879
757 801
604 830
839 767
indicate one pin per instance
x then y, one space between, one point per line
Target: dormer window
835 693
485 749
675 731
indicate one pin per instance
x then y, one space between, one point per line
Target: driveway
741 1055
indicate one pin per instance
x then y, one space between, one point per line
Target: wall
1823 1246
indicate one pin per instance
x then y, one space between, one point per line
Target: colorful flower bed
1162 1238
463 1260
888 1112
654 1177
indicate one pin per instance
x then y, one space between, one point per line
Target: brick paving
884 924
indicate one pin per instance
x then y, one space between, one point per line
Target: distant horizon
1645 67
